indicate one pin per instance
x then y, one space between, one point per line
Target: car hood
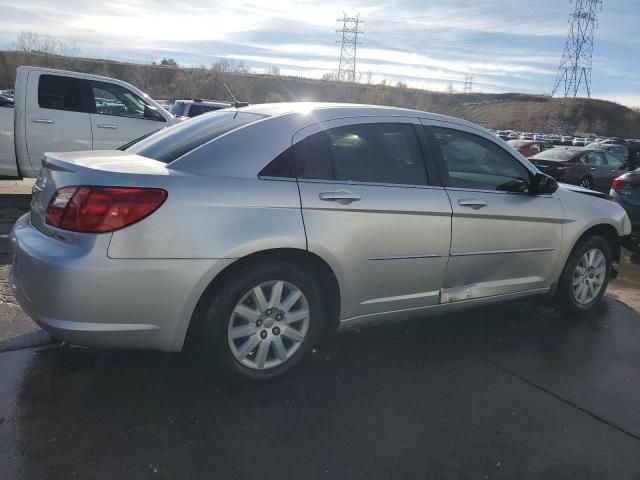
586 191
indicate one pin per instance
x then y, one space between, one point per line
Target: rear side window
369 153
62 93
170 143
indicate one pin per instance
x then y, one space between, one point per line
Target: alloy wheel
268 325
589 276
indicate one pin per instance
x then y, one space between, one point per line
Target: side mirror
543 184
152 113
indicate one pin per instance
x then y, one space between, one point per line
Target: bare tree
29 42
369 76
273 70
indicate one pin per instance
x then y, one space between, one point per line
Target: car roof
327 111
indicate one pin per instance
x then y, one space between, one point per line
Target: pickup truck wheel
585 276
263 321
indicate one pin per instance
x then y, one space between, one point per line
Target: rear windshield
171 143
557 154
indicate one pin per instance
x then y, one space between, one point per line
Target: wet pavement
512 391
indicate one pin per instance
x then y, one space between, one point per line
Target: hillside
498 111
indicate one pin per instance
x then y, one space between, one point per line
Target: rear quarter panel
222 217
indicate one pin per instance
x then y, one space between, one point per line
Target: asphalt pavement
511 391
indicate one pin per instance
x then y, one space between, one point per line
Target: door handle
343 197
41 120
106 125
472 203
593 168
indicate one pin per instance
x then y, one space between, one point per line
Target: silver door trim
406 257
411 296
106 125
41 120
498 252
402 314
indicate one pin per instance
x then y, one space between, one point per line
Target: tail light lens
102 209
624 185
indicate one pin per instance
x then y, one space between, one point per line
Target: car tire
582 285
240 361
586 182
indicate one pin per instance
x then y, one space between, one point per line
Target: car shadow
429 392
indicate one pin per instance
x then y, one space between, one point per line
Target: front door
504 240
369 209
118 116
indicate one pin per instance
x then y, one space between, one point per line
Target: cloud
512 45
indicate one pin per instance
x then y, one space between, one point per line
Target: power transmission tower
468 83
349 49
574 72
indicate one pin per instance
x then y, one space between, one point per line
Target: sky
508 46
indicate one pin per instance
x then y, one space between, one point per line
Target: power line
349 48
574 72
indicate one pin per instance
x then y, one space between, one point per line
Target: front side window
112 99
369 153
474 162
56 92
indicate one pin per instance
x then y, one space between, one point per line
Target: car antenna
236 103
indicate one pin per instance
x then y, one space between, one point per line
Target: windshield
557 154
171 143
177 110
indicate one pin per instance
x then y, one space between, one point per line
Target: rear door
57 117
118 115
504 240
599 170
370 210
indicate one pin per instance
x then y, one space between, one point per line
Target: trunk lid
108 167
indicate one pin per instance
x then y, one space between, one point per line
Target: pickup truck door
57 116
119 115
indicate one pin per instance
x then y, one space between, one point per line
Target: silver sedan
255 231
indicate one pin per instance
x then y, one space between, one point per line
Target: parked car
193 108
626 191
311 218
589 168
580 142
514 135
566 140
621 150
56 110
554 139
529 148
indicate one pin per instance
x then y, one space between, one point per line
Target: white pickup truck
58 111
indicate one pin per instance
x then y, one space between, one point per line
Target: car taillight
101 209
624 185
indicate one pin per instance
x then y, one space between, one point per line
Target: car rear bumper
81 296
